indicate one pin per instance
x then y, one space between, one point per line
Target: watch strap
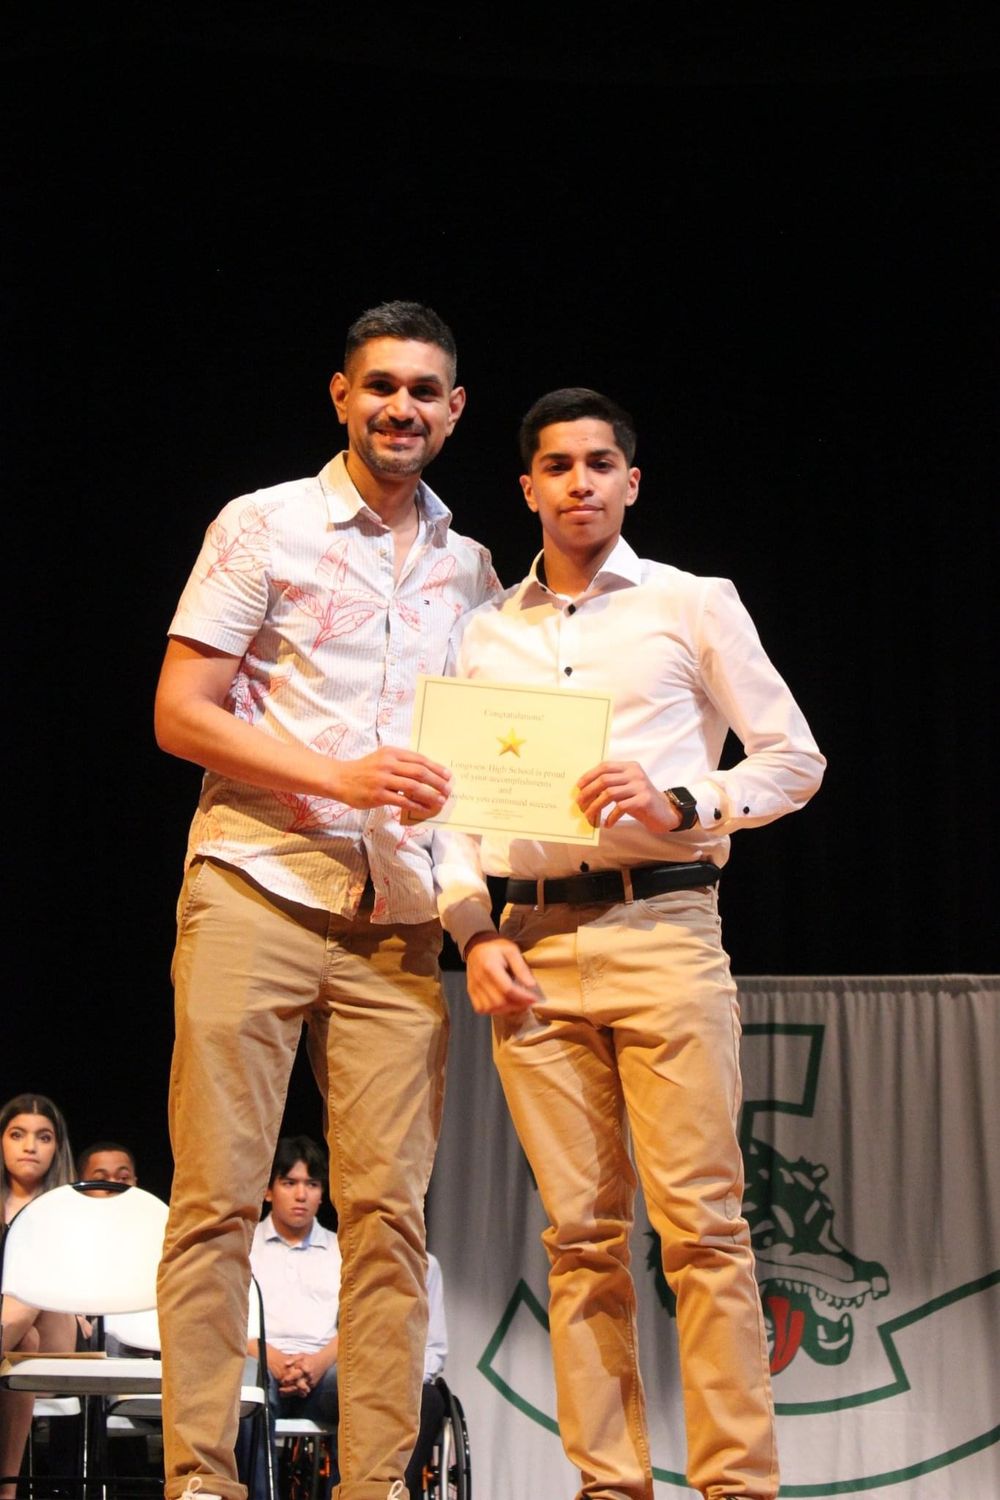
684 803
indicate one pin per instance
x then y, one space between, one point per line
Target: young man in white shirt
615 1014
290 677
297 1264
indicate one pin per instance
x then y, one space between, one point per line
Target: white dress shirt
298 582
300 1286
437 1328
683 664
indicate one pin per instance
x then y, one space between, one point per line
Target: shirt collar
344 500
315 1239
622 563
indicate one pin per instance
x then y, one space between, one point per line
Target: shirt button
568 671
717 814
746 809
584 866
571 609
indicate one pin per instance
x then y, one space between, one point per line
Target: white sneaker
194 1490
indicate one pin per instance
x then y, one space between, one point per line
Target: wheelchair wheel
449 1475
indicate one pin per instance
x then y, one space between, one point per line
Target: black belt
608 887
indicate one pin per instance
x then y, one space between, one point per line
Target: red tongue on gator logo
789 1324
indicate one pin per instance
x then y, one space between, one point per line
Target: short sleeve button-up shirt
297 581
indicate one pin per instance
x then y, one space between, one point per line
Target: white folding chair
49 1414
258 1374
134 1335
71 1251
142 1414
68 1251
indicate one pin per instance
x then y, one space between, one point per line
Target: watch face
685 805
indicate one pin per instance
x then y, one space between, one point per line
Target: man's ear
529 492
456 406
339 387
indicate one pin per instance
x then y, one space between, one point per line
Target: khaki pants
249 968
639 1034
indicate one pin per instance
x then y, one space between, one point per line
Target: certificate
515 754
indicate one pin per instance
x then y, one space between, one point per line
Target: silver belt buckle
627 884
540 895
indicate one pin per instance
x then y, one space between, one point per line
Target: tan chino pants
637 1038
249 969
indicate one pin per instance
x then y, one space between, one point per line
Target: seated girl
34 1157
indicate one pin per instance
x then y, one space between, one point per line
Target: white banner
871 1138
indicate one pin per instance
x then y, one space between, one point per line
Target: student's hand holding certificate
515 754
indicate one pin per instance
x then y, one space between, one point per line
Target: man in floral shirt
290 676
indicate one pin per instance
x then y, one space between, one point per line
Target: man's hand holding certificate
515 754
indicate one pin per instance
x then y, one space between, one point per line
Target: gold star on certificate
511 744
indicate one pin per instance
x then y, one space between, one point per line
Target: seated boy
106 1161
296 1263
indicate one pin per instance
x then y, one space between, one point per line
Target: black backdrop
769 236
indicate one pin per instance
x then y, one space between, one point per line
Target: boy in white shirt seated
296 1263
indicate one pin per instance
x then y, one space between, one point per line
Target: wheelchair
448 1476
304 1464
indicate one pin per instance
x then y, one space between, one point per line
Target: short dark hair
85 1155
293 1148
401 320
570 404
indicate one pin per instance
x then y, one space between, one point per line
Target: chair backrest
137 1330
67 1251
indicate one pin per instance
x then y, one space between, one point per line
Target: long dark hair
61 1169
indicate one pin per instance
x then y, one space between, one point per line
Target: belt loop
540 895
627 883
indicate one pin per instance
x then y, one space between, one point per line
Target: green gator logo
810 1284
814 1289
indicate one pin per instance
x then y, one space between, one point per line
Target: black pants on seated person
321 1406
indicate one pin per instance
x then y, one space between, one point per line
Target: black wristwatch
684 803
